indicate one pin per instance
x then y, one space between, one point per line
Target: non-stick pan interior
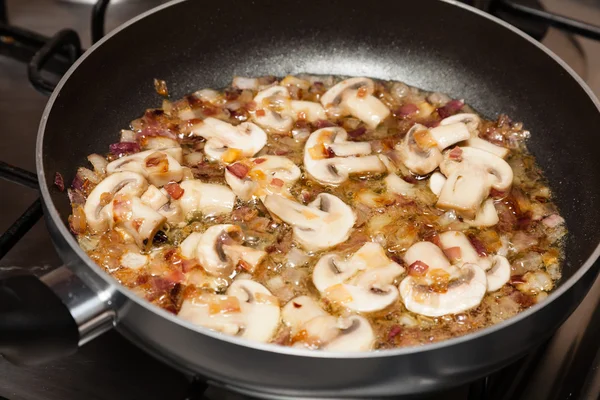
430 44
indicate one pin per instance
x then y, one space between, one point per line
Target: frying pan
436 45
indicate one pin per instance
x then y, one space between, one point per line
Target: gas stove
39 39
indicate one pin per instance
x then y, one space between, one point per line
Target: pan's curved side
430 44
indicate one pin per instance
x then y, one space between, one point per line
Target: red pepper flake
260 160
250 106
478 246
239 170
418 268
410 179
362 92
174 190
277 182
453 253
260 113
395 331
59 182
357 132
456 154
296 305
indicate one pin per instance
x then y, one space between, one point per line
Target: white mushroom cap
248 310
470 180
158 166
366 277
472 121
218 250
427 253
466 288
468 254
337 169
354 97
246 137
96 213
139 220
486 215
259 180
321 330
436 182
154 198
482 144
498 274
207 198
421 160
321 224
280 111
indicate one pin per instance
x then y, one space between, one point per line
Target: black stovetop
110 368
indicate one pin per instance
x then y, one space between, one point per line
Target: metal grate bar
20 227
18 175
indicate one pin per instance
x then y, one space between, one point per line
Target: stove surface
111 368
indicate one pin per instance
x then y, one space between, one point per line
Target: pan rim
57 221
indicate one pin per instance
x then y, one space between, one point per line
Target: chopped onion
194 158
127 135
275 283
241 82
296 258
98 162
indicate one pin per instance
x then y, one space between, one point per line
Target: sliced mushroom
265 175
465 288
436 182
247 310
486 215
420 150
499 274
97 215
207 198
354 97
466 252
427 253
276 111
472 121
314 328
188 248
470 180
219 251
321 224
136 218
154 198
397 185
158 166
330 158
367 277
246 139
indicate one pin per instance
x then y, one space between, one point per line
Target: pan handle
42 319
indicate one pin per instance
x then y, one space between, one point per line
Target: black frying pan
431 44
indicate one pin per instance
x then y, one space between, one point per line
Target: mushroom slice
428 253
325 165
276 111
459 249
219 251
354 97
486 215
259 307
314 328
420 150
321 224
465 288
484 145
96 212
247 310
470 179
188 248
207 198
397 185
472 121
436 183
154 198
158 166
299 311
243 140
499 274
139 220
366 278
262 176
